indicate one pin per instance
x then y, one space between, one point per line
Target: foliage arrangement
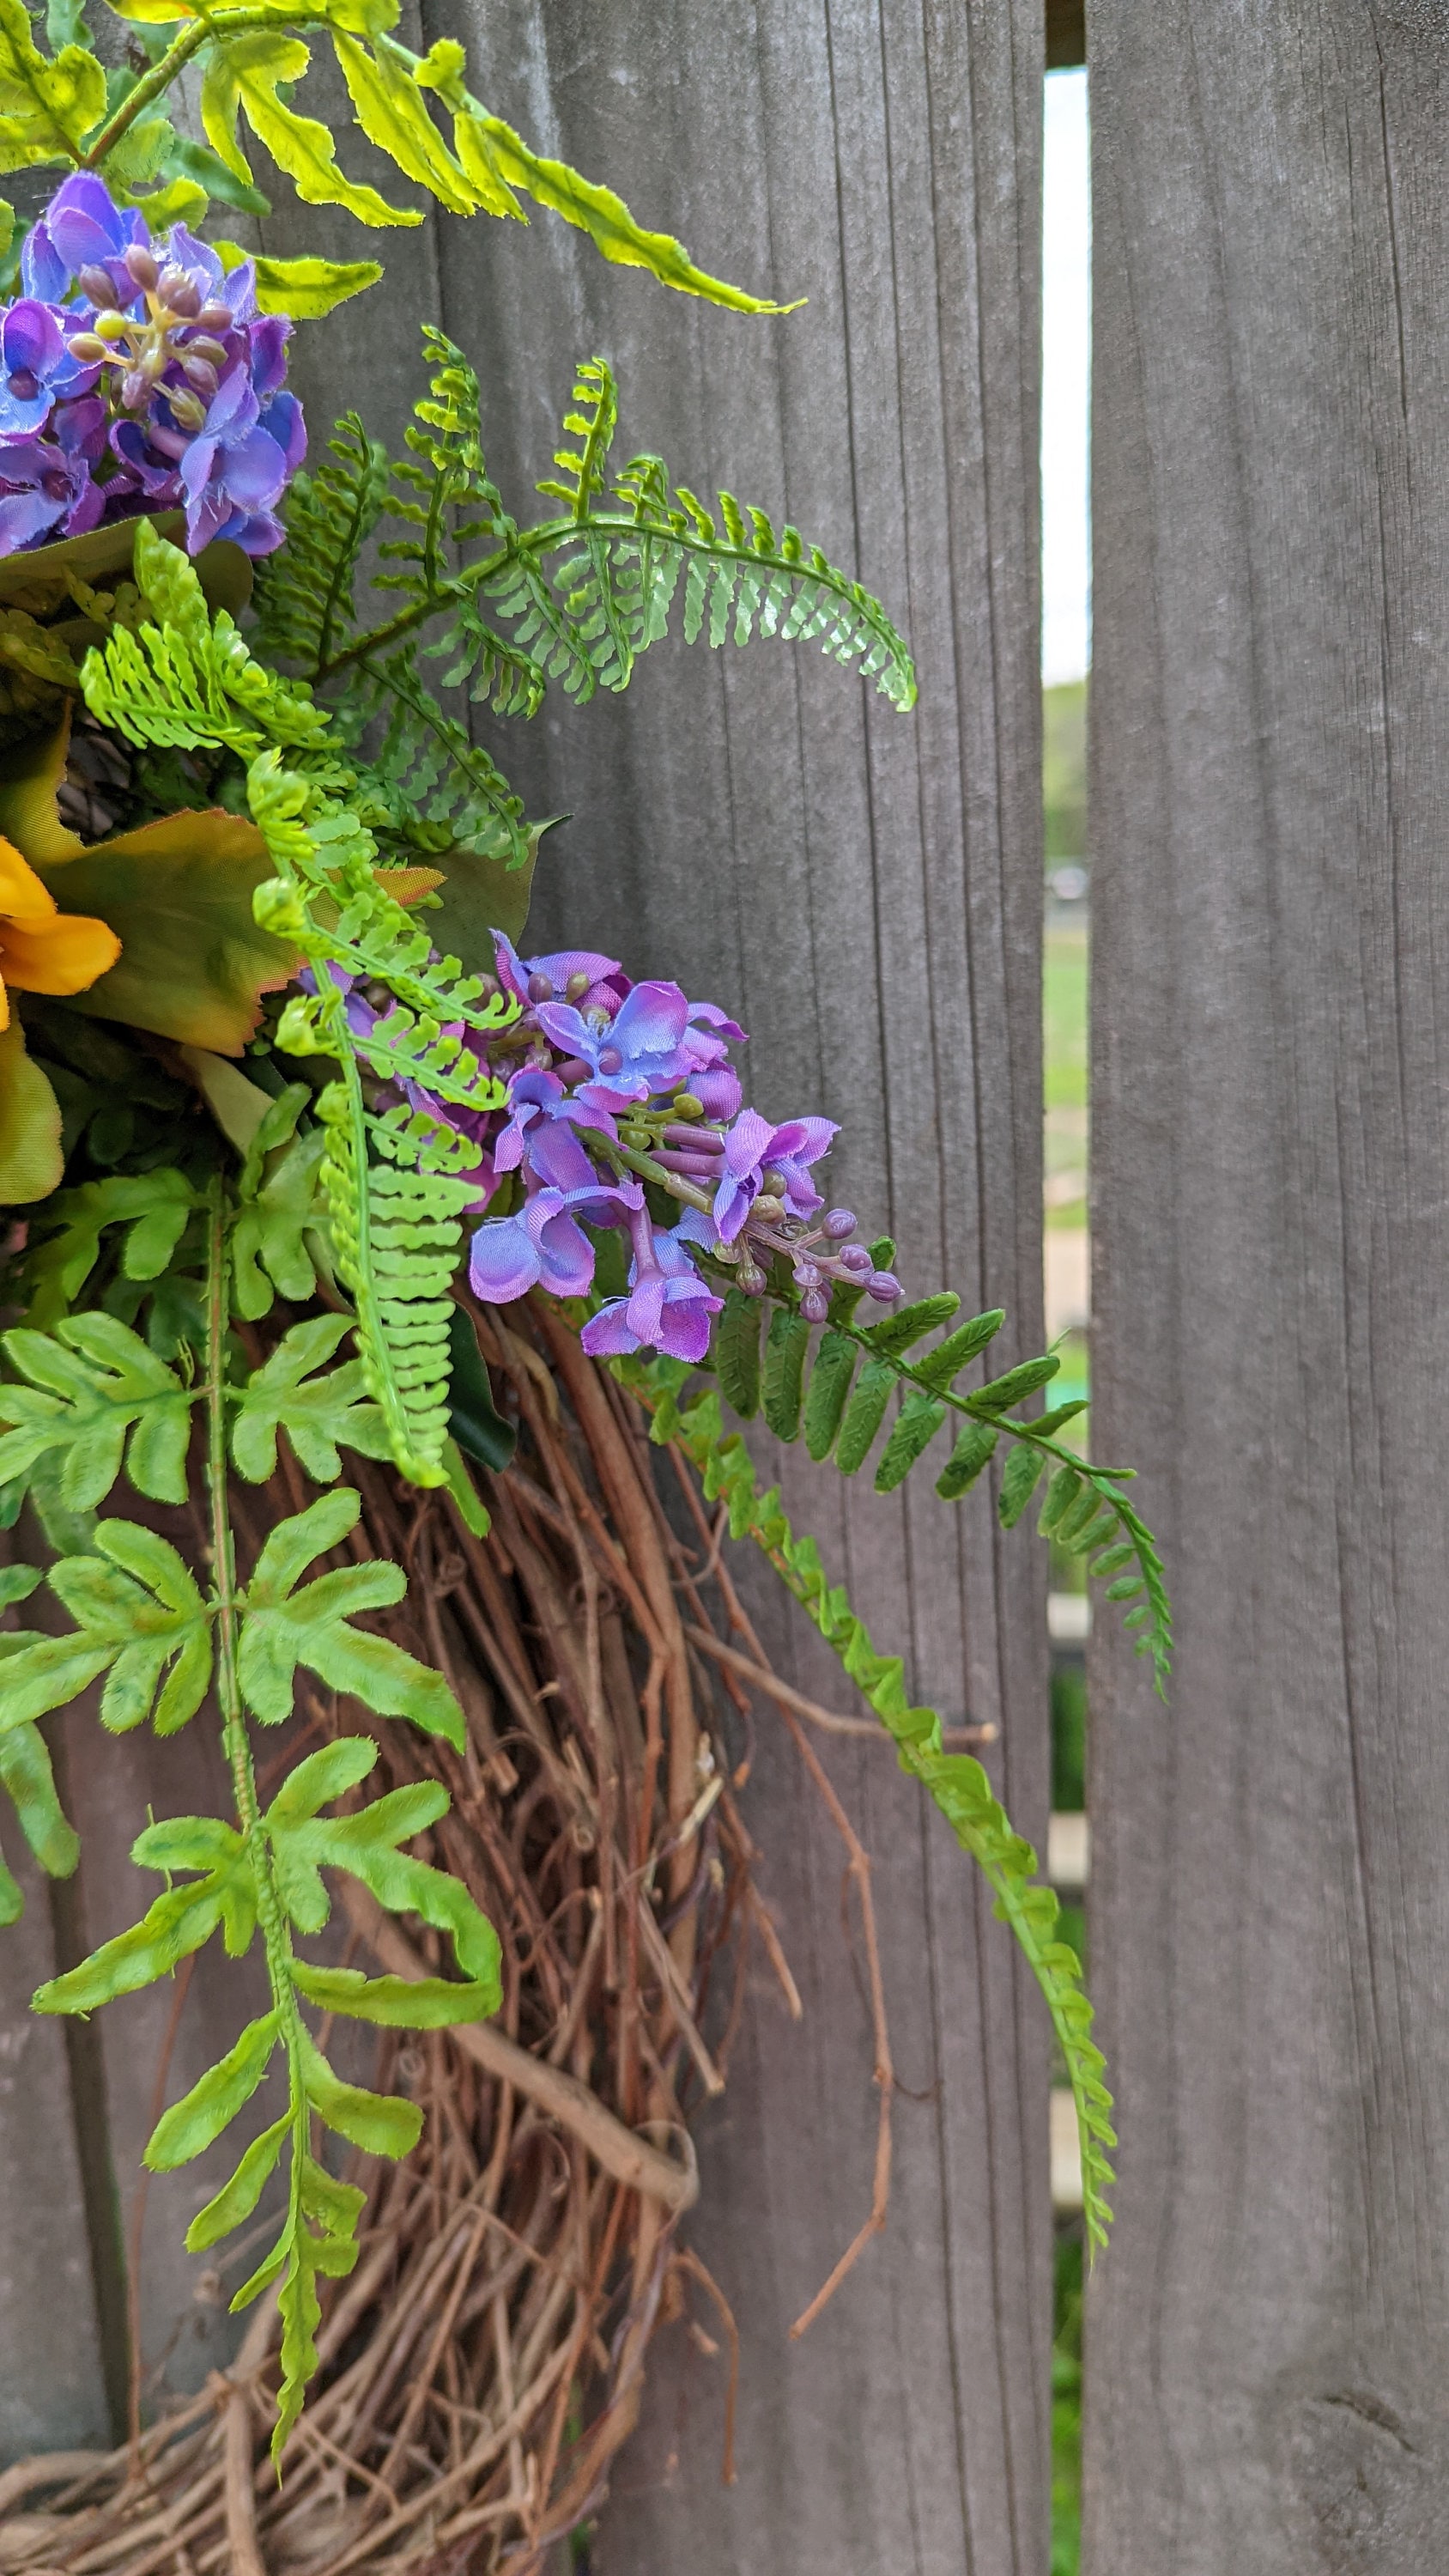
276 1080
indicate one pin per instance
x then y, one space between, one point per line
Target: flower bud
98 286
135 391
750 1279
884 1285
772 1185
807 1275
577 986
179 291
815 1306
539 989
610 1060
111 326
188 411
202 347
856 1258
839 1222
199 372
142 266
685 1105
767 1212
89 349
215 317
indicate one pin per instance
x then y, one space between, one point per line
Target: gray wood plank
865 890
1269 2334
52 2387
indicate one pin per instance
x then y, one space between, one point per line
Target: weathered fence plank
866 891
1269 2335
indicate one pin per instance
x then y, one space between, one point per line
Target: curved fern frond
581 595
956 1782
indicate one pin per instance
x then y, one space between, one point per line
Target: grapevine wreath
378 1295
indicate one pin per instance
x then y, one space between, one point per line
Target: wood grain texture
1269 2334
865 891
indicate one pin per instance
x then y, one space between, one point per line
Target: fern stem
178 54
236 1738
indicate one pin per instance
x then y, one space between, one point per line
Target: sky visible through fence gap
1066 657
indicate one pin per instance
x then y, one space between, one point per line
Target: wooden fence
1269 2335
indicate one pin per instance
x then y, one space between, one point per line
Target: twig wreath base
485 2361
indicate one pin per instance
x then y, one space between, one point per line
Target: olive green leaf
194 963
31 1160
306 288
95 1394
286 1394
47 107
244 75
283 1627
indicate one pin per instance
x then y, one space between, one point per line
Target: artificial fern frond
841 1414
396 1180
303 598
188 679
956 1782
581 595
94 1394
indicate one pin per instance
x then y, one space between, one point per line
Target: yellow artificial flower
44 950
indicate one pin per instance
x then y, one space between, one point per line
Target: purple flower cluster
603 1074
139 376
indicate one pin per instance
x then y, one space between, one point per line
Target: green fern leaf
975 1446
286 1394
829 1386
864 1414
785 1348
140 1620
95 1395
914 1428
282 1628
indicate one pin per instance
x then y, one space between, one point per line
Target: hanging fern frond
842 1415
956 1782
396 1179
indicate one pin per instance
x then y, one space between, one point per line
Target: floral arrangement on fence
280 1094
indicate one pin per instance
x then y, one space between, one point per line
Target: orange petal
22 896
60 955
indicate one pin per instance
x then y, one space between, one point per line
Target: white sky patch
1066 642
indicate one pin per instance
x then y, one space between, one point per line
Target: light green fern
504 610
